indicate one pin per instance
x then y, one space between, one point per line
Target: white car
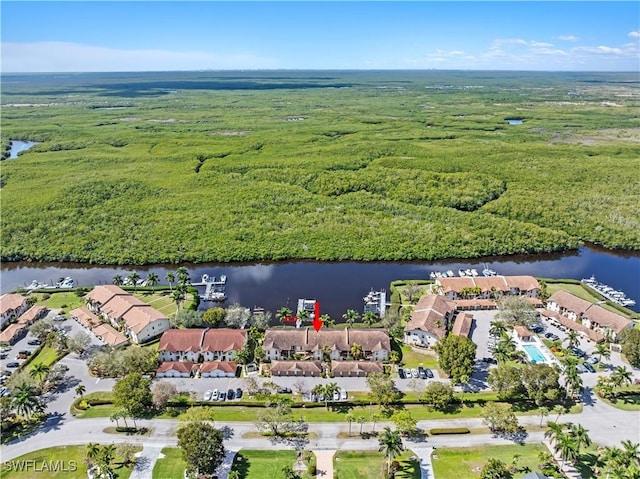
214 396
414 373
343 395
592 360
207 395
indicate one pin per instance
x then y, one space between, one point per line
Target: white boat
461 273
474 272
432 275
450 274
468 272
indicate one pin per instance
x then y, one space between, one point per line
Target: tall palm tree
170 277
303 315
580 436
350 418
498 328
567 447
182 275
350 316
39 371
369 318
133 279
621 376
603 350
179 295
80 390
93 451
327 320
108 454
544 411
375 417
152 279
390 445
559 410
117 280
572 339
631 451
289 473
361 420
356 351
554 431
502 351
24 400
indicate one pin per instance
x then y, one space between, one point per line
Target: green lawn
372 465
171 465
413 359
629 400
467 462
66 301
46 355
263 464
62 462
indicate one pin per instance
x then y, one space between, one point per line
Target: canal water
18 146
340 286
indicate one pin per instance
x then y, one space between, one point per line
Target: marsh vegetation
241 166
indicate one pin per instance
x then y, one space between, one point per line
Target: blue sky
171 35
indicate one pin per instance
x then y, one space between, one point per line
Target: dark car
283 390
589 367
34 342
401 374
13 364
230 394
422 373
429 373
548 335
222 396
3 355
238 393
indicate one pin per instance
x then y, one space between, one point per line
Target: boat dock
215 288
376 302
608 292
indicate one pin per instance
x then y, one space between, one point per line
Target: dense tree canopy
456 355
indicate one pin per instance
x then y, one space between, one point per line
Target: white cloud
599 49
568 38
75 57
634 34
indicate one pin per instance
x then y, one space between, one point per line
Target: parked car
34 342
336 395
222 396
422 374
23 354
230 394
589 367
592 360
59 318
581 369
401 373
548 335
489 360
321 398
4 392
4 355
207 395
214 395
13 364
537 328
414 373
238 393
343 395
429 373
283 390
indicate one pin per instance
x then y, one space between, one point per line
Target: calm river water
339 286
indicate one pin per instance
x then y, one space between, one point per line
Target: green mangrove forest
142 168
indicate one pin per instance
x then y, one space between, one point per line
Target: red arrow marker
317 322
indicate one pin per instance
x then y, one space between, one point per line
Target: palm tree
369 318
559 410
179 295
631 451
361 420
183 276
117 280
498 328
133 279
24 400
356 351
554 431
170 277
390 445
93 451
603 350
394 356
350 316
152 279
283 313
567 447
39 371
374 419
580 436
303 315
502 351
328 321
572 339
544 411
327 391
289 473
350 418
234 475
80 390
621 376
611 458
108 454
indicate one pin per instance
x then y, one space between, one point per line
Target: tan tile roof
429 315
30 315
10 301
103 293
109 335
138 317
335 339
85 317
523 283
594 312
475 303
301 367
462 324
343 368
10 332
455 284
571 324
181 340
179 366
522 331
118 305
226 366
224 340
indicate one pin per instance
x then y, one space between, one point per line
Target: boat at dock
608 292
375 302
215 288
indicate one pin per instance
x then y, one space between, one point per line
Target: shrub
449 430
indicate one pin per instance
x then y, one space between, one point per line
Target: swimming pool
535 356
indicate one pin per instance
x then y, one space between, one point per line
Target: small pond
18 146
515 122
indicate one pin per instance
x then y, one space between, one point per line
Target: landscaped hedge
449 430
